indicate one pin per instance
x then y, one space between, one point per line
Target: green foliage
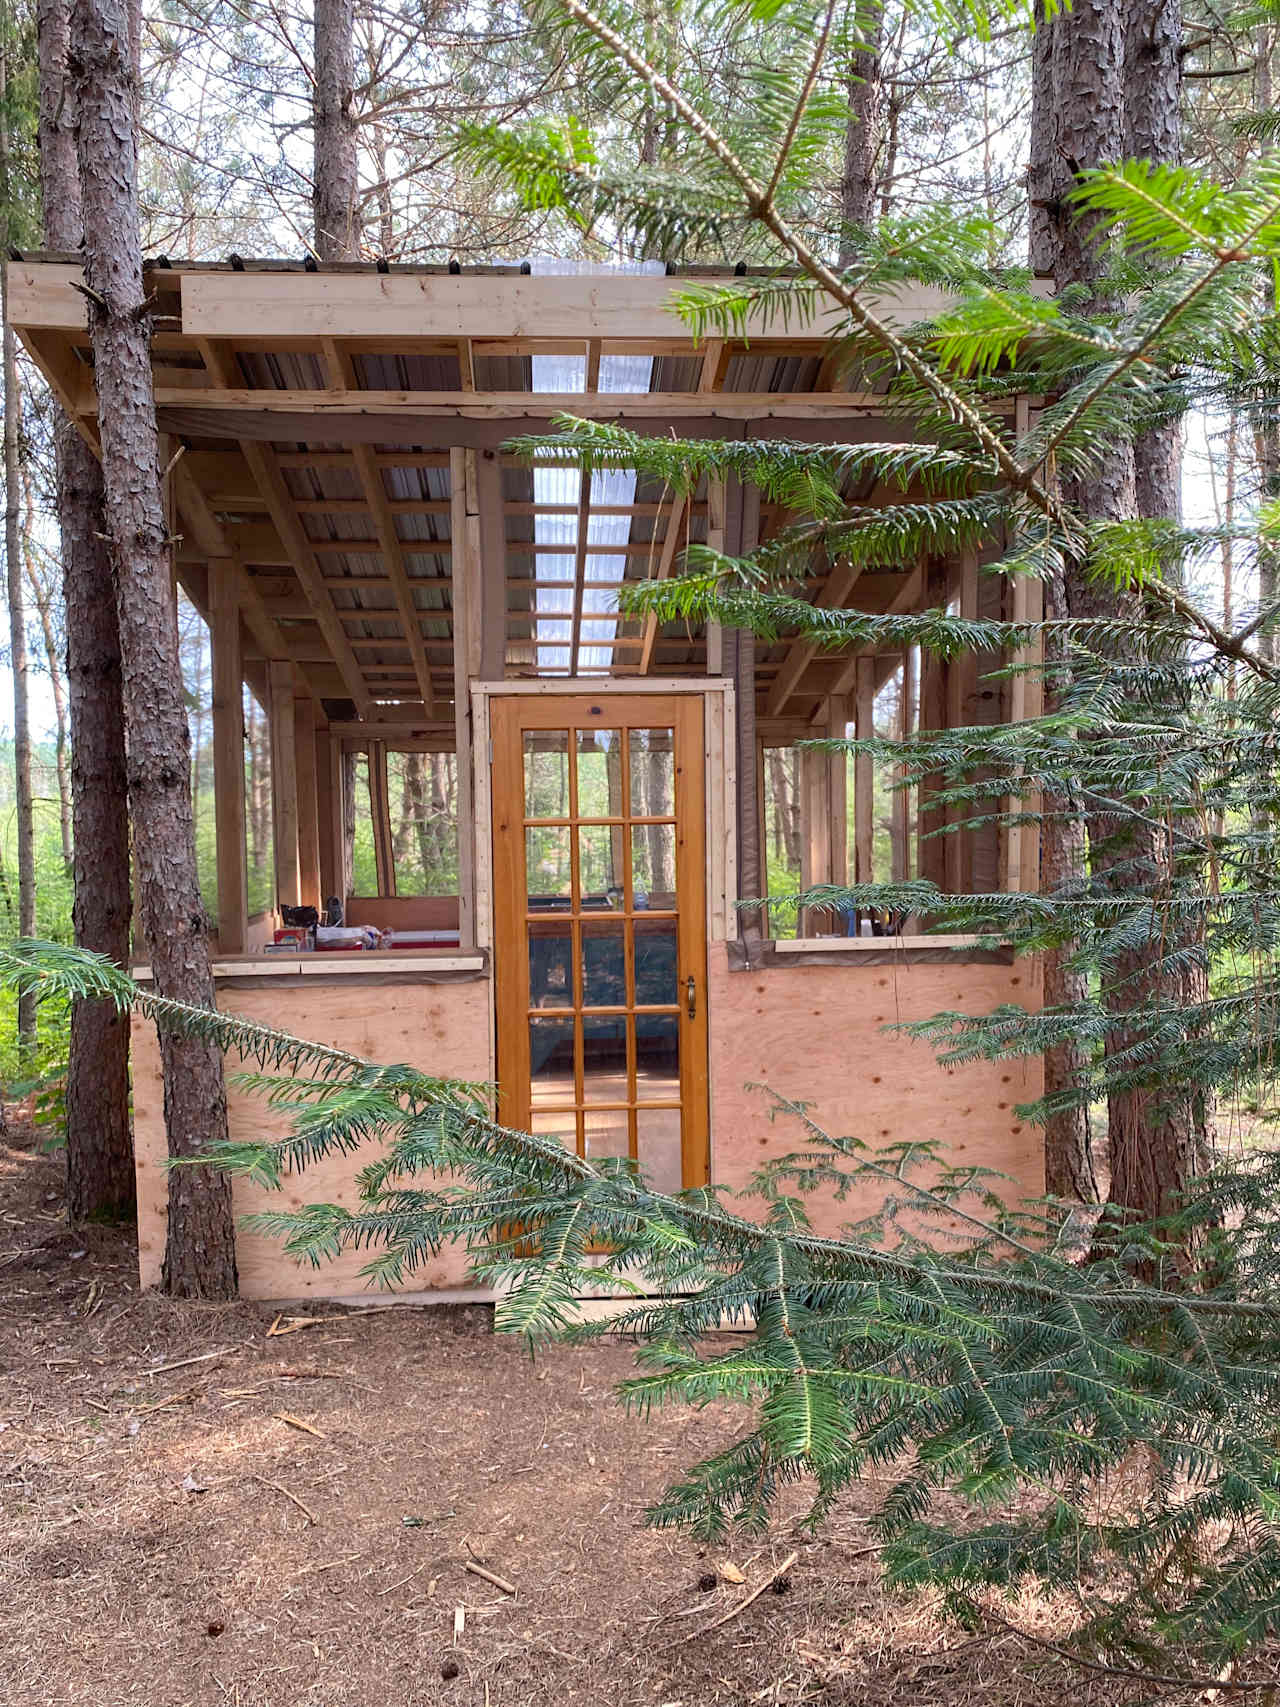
949 1347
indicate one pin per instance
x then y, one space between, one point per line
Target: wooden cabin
386 581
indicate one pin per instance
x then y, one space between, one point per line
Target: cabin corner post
228 756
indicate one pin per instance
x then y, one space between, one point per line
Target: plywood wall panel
441 1028
816 1034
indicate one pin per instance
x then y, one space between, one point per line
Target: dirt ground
196 1511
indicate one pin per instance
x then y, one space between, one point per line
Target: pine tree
100 1176
200 1249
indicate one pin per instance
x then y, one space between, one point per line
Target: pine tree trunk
1077 114
200 1251
1099 53
100 1177
336 180
862 136
24 808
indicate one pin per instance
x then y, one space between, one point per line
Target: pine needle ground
174 1539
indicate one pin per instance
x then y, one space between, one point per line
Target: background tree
200 1249
12 95
100 1177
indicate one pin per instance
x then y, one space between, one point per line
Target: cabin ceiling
337 430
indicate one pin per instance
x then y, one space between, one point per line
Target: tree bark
861 137
24 806
200 1250
1094 100
1076 116
335 175
100 1177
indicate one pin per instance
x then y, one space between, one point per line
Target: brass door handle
691 997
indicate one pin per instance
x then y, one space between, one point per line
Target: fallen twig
778 1571
281 1489
297 1422
186 1362
489 1576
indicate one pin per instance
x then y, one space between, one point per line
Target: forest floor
196 1511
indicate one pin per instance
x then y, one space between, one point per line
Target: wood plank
834 595
864 775
901 805
329 813
265 469
838 769
905 599
634 306
490 539
304 740
670 544
342 372
380 811
284 786
716 524
579 571
328 408
466 664
228 758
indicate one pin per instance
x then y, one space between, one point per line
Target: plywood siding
815 1034
442 1028
812 1033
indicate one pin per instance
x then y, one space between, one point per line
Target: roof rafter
342 372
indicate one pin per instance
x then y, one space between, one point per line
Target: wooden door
600 909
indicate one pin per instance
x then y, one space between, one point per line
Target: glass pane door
600 926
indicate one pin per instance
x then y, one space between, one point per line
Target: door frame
717 835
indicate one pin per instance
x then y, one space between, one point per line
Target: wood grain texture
440 1028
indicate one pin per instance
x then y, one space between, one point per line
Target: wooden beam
329 813
667 556
304 741
251 304
838 786
834 595
342 372
908 595
485 504
327 409
579 569
380 812
284 786
466 665
864 775
228 757
262 464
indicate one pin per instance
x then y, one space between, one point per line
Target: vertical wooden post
489 535
228 756
931 860
304 741
329 814
1029 878
716 516
284 784
838 785
466 666
380 811
733 523
864 781
902 796
962 694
